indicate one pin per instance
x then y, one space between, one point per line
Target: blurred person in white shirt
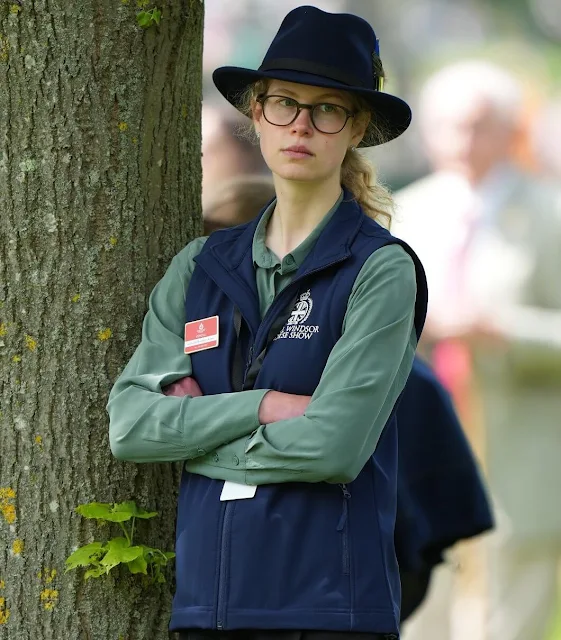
489 236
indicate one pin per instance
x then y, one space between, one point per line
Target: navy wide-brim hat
334 50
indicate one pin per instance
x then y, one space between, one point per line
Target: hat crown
339 46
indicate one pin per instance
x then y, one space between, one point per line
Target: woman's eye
287 102
327 108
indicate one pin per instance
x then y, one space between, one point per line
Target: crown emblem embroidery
302 310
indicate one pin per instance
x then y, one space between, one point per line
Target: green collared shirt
272 274
220 436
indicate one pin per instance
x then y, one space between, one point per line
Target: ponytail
359 177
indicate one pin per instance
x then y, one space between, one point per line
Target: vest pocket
343 528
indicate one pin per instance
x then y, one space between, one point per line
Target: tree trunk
99 188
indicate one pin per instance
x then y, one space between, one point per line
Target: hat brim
391 115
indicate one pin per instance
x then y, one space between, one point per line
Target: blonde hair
357 172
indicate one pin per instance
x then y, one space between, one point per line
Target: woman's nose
303 122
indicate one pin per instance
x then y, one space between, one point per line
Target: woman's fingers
183 387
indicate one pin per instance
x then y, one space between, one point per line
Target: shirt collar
264 257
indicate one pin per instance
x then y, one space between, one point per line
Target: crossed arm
275 405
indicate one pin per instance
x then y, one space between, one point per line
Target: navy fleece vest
297 555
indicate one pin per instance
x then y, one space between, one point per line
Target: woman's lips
298 152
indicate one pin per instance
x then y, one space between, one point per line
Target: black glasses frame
311 107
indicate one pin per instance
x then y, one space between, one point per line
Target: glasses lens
329 118
278 110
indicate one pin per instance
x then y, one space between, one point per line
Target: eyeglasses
326 117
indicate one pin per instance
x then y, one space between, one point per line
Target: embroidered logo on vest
295 328
302 309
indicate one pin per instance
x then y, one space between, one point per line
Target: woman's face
298 151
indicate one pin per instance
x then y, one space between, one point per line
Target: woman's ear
256 114
360 124
256 110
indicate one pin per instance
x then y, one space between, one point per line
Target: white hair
467 81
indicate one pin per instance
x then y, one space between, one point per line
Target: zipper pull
248 362
250 356
343 518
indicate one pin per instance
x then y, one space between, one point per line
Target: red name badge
201 334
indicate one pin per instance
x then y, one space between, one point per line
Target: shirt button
289 259
235 460
201 452
216 457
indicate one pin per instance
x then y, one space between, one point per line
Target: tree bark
99 188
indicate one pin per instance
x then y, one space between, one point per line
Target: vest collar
333 242
227 255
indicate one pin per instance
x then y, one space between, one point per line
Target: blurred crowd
477 186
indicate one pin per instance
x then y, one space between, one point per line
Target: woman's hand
183 387
277 406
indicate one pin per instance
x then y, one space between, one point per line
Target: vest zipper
344 529
248 363
222 565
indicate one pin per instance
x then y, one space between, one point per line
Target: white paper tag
235 491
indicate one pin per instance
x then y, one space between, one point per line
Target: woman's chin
298 173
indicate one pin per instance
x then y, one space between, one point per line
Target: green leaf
157 557
134 511
94 510
145 515
162 557
138 565
128 506
84 556
144 19
94 573
123 511
120 512
103 511
156 15
119 551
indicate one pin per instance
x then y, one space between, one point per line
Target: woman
301 329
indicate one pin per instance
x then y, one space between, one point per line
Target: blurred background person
225 153
236 201
489 236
